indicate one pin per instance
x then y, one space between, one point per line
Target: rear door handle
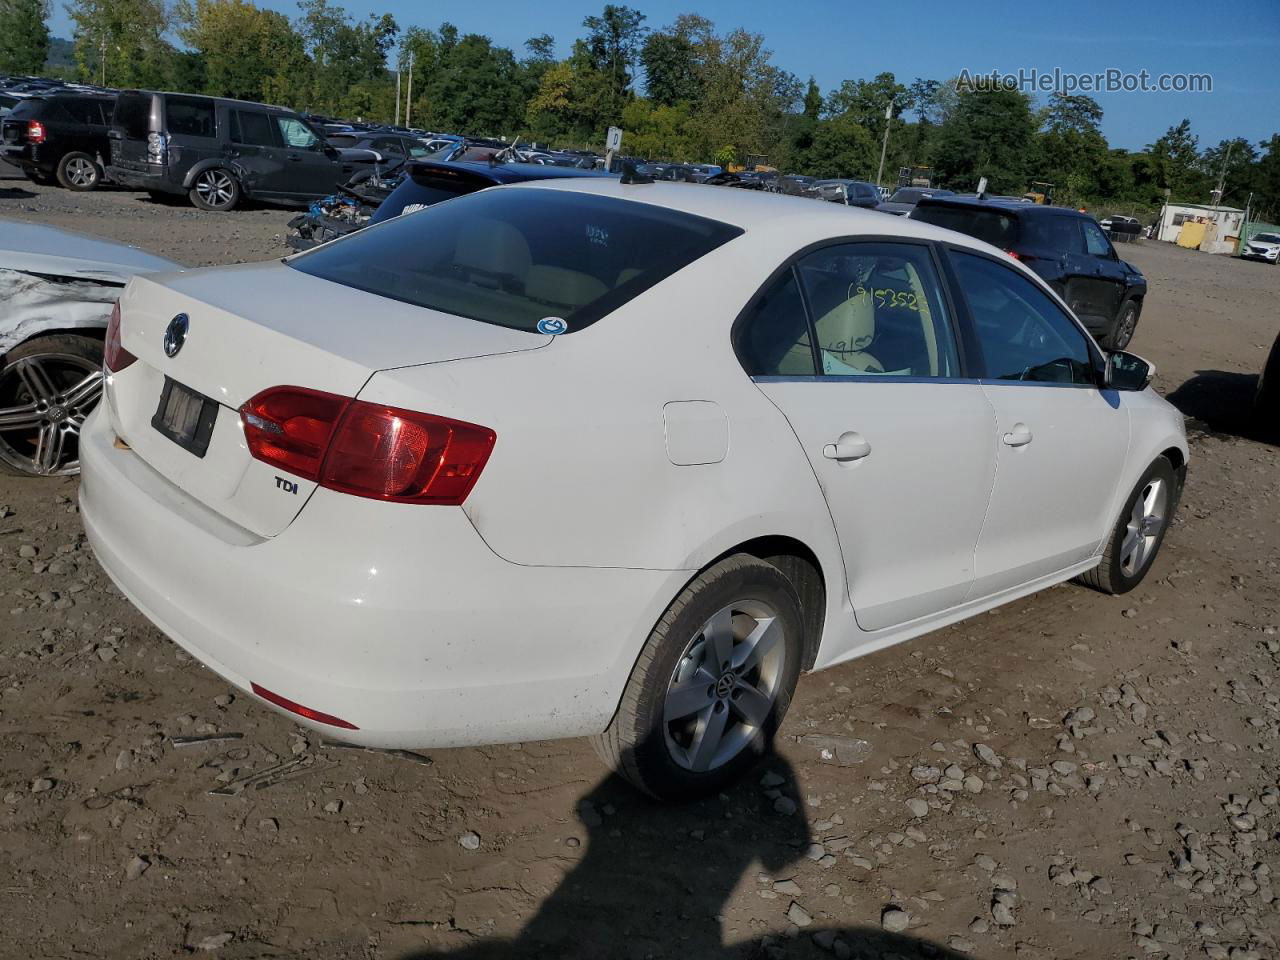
850 446
1019 436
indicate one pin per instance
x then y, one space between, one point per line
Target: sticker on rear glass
552 326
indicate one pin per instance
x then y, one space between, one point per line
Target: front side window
1023 334
189 116
877 310
1095 240
296 134
525 258
389 145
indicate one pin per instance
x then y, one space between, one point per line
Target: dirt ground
1100 776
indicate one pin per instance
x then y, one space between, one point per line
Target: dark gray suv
219 151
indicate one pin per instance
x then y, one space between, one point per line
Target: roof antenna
631 175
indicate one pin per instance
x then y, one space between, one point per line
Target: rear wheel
711 685
215 189
79 171
1138 533
1126 324
48 386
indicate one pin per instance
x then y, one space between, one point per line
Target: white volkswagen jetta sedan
590 458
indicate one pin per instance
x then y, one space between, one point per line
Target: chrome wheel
215 188
81 172
1146 522
44 400
724 686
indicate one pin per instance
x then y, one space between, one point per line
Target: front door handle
850 446
1019 436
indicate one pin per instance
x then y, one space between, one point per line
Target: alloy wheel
1124 329
1146 522
82 172
44 400
724 686
215 188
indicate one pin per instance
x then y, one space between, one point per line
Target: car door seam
995 473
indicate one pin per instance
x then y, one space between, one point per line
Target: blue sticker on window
552 326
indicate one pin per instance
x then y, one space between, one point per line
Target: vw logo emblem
175 335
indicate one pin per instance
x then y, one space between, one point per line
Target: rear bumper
143 180
28 157
395 618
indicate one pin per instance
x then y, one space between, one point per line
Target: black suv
218 151
1065 247
58 136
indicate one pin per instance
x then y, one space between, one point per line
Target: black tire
64 361
1266 401
215 189
1121 333
78 171
1115 575
642 745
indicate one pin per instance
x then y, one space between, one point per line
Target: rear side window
132 115
996 228
1022 332
189 117
83 110
775 341
517 257
878 311
1058 233
253 128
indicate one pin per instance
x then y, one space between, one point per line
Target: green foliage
122 42
992 134
704 94
24 37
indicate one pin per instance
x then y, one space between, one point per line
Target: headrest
568 288
486 244
850 325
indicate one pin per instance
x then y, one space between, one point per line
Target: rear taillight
114 356
35 131
156 144
366 449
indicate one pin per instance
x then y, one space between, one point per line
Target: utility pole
399 64
884 147
408 100
1222 177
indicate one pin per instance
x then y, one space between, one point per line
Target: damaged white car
57 289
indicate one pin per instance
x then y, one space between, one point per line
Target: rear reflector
366 449
300 710
114 356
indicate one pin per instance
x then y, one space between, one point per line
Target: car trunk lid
258 326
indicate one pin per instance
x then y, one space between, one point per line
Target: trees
245 52
1176 160
122 42
350 58
24 37
992 134
613 45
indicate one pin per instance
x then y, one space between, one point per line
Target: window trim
1097 360
955 320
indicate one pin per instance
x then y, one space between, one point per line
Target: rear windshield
425 187
996 228
516 257
133 115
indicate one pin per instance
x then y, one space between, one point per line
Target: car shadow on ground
656 878
15 193
1222 402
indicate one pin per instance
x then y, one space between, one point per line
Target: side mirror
1125 371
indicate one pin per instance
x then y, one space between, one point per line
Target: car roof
807 220
514 172
1012 206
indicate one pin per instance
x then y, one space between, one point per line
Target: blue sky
1238 44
